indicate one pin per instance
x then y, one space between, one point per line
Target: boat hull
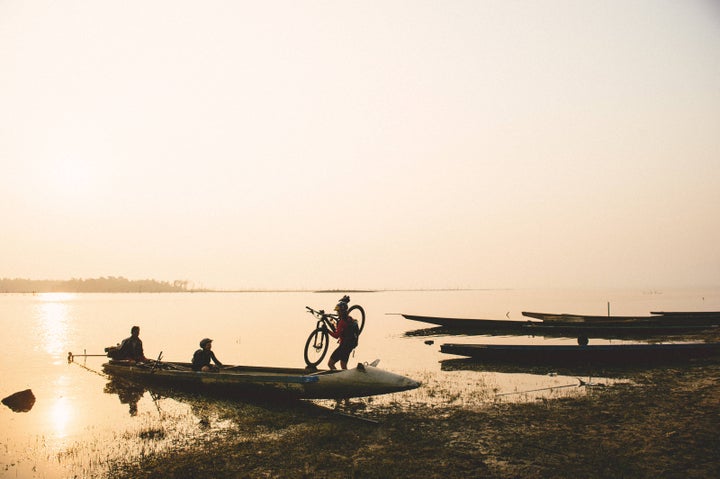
489 325
592 329
656 318
364 380
595 354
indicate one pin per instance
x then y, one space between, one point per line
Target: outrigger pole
71 356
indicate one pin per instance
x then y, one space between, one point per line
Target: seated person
131 348
202 357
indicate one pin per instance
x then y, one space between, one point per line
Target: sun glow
52 323
55 297
60 415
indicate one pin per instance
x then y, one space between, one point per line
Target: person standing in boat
132 348
202 357
346 332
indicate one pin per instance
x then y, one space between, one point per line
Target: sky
362 144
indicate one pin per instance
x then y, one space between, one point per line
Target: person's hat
204 342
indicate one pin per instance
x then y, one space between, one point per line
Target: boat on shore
298 383
573 328
613 330
595 354
478 325
665 318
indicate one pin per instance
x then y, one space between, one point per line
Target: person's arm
339 329
215 359
142 352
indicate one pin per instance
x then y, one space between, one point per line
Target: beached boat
590 329
679 318
595 354
612 330
478 325
363 380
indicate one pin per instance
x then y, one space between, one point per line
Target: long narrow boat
489 325
679 318
364 380
592 329
612 330
595 354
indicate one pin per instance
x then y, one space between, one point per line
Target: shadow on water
209 407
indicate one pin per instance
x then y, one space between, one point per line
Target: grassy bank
663 424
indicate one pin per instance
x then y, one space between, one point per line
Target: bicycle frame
326 320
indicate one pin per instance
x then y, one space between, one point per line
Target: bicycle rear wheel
359 315
316 347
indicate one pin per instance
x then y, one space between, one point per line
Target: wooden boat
489 325
591 329
595 354
612 330
364 380
679 318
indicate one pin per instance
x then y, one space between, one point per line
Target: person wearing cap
202 357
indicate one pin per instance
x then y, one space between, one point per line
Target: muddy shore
663 423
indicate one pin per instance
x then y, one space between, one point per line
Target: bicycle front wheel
316 347
359 315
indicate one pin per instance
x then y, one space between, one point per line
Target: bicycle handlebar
316 312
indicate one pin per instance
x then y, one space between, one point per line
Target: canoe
679 318
595 354
364 380
489 325
612 330
593 329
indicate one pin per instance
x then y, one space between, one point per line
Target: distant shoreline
122 285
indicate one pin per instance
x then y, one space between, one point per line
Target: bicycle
318 342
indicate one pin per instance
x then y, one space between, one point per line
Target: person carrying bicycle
346 332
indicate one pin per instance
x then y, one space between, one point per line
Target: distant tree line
111 284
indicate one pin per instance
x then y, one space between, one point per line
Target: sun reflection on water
60 416
53 313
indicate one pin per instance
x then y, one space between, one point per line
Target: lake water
80 421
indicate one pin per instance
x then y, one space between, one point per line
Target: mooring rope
580 384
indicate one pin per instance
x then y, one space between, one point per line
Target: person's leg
333 358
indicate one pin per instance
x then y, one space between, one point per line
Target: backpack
351 334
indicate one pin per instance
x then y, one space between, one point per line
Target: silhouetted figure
202 357
347 332
132 347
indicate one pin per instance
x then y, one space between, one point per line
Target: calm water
80 421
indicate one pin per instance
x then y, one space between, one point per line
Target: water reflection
128 394
61 416
52 316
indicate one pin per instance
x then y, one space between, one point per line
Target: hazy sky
362 144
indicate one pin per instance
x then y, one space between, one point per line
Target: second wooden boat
478 325
595 354
675 318
591 329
